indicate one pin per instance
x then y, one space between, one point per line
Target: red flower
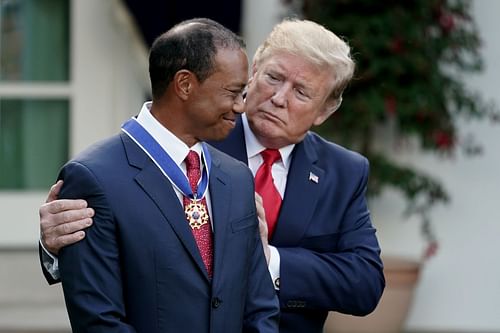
390 104
447 22
443 140
396 45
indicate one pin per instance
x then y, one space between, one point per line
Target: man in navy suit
320 244
149 264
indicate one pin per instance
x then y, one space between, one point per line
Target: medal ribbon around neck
165 163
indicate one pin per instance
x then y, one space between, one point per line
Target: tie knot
192 161
270 156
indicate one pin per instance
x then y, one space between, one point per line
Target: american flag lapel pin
314 178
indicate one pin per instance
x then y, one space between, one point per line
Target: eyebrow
234 86
300 83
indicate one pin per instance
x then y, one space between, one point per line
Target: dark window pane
34 40
33 142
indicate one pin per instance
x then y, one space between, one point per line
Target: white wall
109 81
459 288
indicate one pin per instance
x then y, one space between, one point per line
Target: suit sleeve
261 306
348 280
90 269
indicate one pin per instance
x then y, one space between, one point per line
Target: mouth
271 117
230 121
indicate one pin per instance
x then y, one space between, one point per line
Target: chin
220 135
268 130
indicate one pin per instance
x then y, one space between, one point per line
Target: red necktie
264 185
203 234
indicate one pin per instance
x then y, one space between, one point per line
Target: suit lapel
220 197
301 195
161 192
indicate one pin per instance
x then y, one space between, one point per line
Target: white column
258 19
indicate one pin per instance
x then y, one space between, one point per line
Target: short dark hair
190 45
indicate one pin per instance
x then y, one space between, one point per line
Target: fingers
56 236
263 238
258 198
54 191
62 221
260 207
69 228
261 215
53 245
63 211
62 205
69 239
263 228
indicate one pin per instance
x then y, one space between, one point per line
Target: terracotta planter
401 277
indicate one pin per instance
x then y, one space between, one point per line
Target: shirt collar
254 147
174 146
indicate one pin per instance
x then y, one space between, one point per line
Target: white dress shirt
279 172
175 147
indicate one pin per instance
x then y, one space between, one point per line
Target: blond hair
314 42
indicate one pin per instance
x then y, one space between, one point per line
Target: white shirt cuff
50 262
274 266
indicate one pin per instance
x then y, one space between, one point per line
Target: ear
183 83
328 109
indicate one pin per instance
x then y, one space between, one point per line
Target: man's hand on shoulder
62 221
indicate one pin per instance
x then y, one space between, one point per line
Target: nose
279 97
239 104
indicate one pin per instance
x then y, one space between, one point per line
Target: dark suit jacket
329 253
139 269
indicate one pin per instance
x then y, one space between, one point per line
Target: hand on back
62 221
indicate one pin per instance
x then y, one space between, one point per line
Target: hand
261 214
62 221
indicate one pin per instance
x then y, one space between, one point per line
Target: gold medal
196 214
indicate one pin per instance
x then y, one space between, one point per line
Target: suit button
216 302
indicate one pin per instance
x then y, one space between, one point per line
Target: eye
235 93
302 94
271 77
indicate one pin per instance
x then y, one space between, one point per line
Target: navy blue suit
329 253
139 269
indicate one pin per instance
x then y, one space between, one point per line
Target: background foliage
411 57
